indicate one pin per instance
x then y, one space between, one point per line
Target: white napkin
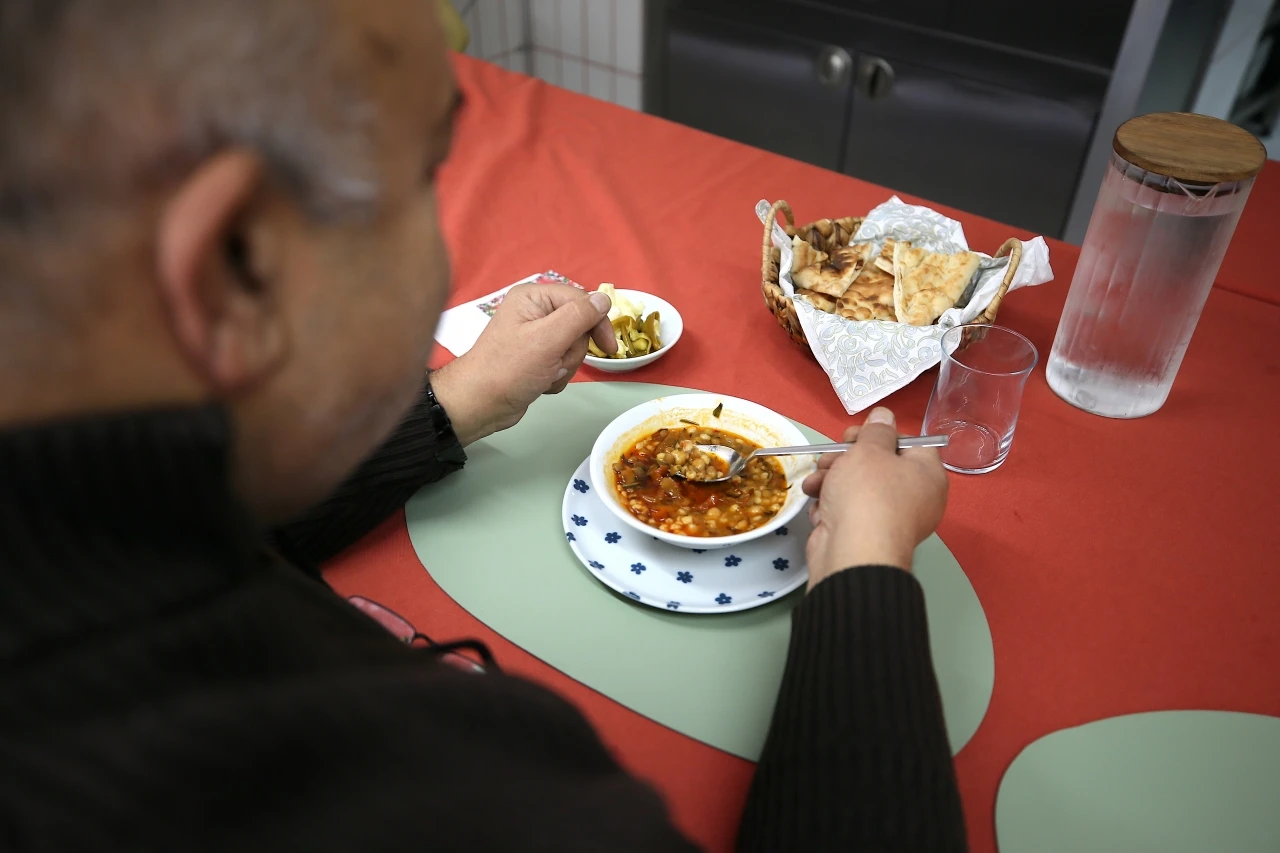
460 326
868 360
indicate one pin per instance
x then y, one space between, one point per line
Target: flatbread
834 275
885 261
820 300
834 233
804 255
925 283
824 227
870 297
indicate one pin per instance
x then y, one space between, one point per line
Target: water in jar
1149 259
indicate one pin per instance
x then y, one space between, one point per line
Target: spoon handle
841 447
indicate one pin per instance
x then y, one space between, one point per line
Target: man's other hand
534 344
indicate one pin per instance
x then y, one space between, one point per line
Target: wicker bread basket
828 234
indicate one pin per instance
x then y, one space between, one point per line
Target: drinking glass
978 395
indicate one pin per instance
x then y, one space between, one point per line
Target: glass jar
1168 206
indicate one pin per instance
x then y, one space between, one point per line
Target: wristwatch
449 450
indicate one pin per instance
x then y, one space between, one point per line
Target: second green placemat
491 537
1161 781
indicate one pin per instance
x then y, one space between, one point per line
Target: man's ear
219 269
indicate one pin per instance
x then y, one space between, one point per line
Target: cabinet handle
875 77
834 66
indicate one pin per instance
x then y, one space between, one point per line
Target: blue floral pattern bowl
674 578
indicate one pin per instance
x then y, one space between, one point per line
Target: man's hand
533 345
874 505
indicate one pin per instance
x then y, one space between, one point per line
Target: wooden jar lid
1190 147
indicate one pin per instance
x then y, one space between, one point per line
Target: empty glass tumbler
978 395
1168 206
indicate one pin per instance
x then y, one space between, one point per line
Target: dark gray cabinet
1002 153
975 125
742 83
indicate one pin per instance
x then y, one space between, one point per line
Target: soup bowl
742 417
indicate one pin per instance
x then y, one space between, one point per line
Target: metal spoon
737 462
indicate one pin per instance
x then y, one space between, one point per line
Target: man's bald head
223 201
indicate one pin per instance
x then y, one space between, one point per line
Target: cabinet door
784 94
984 148
926 13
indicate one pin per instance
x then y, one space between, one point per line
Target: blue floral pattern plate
679 579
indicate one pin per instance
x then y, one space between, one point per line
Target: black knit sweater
167 684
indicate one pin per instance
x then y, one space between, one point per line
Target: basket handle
1013 248
767 249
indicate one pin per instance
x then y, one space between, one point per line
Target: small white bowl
670 328
763 426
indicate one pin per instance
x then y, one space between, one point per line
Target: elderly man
219 271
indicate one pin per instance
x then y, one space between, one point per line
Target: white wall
499 31
590 46
1231 57
1235 63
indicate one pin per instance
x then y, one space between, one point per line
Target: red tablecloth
1124 565
1250 265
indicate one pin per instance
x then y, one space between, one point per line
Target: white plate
673 578
670 328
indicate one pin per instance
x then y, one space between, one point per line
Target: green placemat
1166 782
492 538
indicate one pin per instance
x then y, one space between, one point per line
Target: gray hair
102 97
105 102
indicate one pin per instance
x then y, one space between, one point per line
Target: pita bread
870 297
834 276
825 227
927 283
804 255
885 261
820 300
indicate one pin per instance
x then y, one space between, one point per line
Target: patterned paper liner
490 306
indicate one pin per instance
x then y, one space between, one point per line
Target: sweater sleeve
857 757
423 449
